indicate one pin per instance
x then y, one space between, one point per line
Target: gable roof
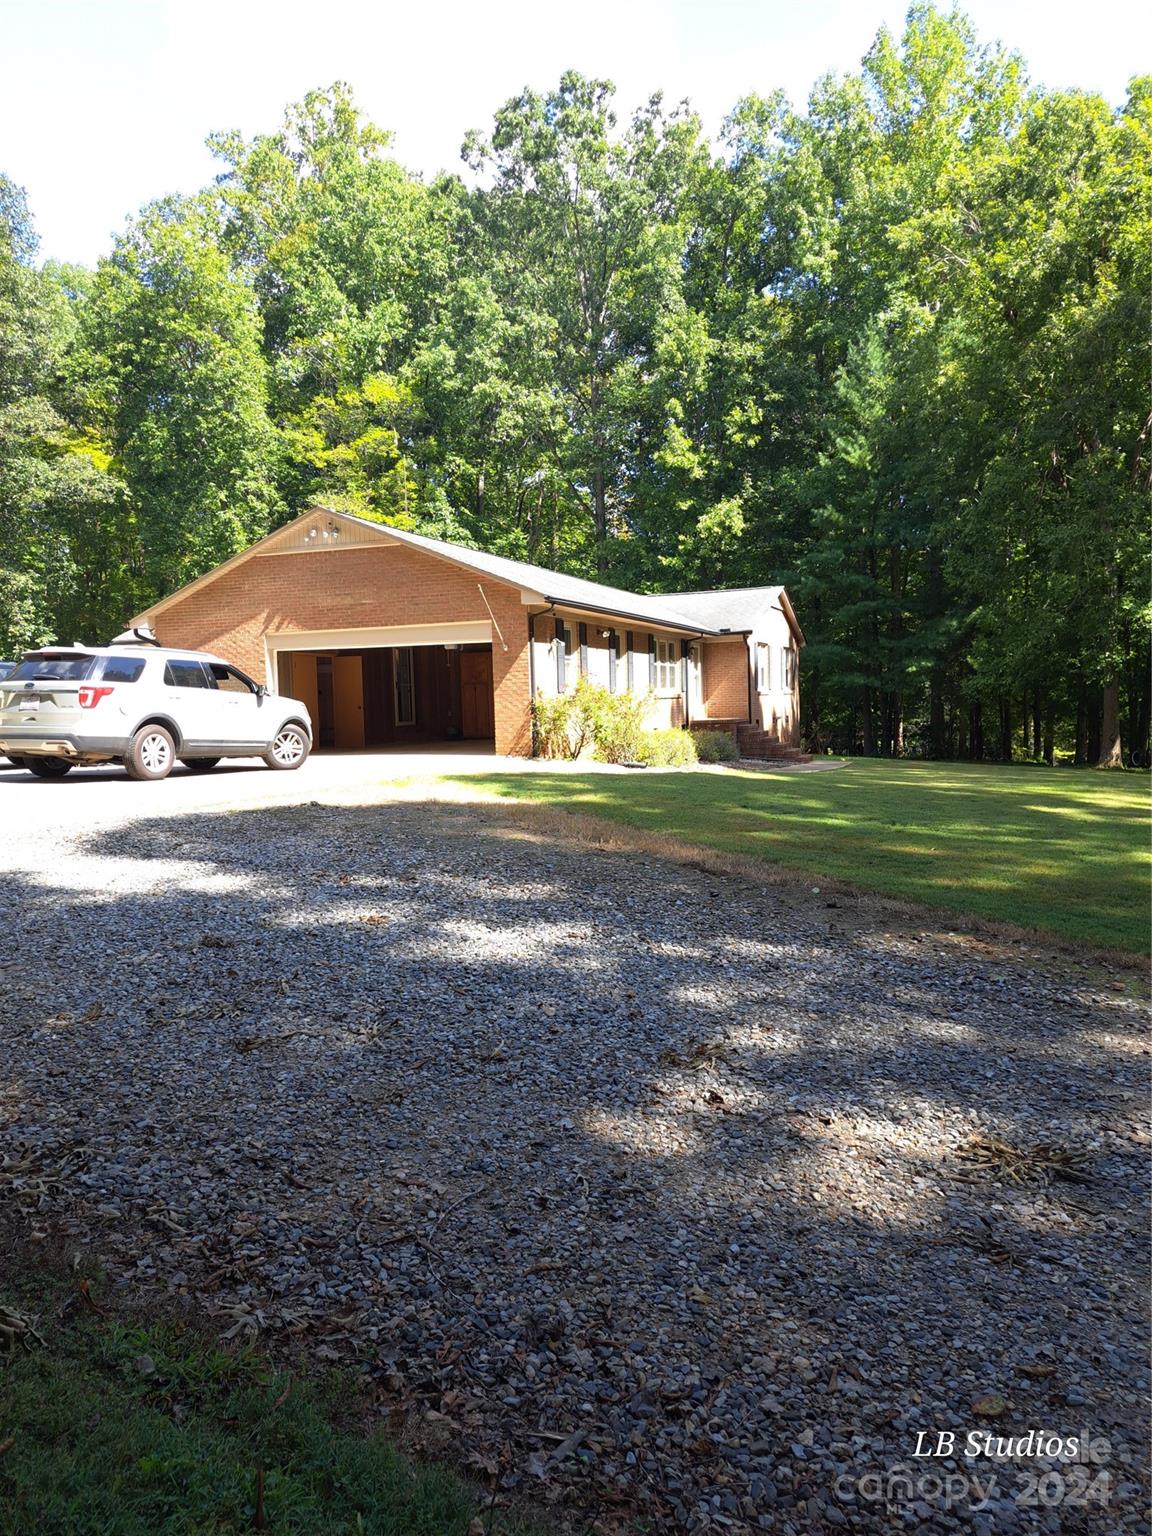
695 613
731 608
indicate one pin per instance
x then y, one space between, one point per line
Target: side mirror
261 691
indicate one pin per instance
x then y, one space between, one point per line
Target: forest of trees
892 350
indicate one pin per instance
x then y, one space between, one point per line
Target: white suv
143 706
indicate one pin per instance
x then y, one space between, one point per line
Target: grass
108 1430
1062 852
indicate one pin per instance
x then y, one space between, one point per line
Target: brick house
392 638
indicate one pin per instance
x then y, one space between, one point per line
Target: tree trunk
936 727
1081 754
1092 755
1037 727
1143 718
1049 743
976 731
897 725
868 731
1111 754
1139 686
1005 730
600 519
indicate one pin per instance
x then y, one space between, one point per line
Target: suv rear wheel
151 754
289 749
46 767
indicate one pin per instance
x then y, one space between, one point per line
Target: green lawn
110 1431
1059 850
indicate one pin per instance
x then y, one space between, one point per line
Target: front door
348 702
476 720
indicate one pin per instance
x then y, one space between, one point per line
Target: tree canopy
890 349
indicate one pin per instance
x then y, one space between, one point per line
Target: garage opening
398 696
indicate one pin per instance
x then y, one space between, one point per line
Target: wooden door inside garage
476 705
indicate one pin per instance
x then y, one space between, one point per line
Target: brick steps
753 742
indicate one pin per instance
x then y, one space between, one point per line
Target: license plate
29 706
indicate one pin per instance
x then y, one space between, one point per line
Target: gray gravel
638 1189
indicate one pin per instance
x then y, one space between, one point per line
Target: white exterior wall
777 707
643 675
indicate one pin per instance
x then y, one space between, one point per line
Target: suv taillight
90 697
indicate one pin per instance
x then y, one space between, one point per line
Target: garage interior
392 696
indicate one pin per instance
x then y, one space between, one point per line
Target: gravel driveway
642 1190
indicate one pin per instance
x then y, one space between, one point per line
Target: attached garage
393 639
389 690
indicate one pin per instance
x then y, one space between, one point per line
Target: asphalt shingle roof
707 612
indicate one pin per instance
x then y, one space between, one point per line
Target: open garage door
401 695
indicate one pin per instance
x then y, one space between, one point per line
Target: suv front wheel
289 749
151 754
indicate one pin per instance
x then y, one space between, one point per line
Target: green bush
610 725
615 722
716 746
672 748
562 728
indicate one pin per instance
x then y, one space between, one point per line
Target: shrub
672 748
611 725
561 727
615 722
716 746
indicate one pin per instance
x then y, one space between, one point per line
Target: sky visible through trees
891 350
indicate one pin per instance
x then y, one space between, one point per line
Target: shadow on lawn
1050 861
460 1043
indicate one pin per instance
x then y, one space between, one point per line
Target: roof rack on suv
142 635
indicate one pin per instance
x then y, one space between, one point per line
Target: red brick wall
355 589
724 681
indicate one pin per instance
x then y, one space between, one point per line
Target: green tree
61 523
182 393
583 234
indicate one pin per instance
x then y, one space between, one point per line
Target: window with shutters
571 642
667 666
788 659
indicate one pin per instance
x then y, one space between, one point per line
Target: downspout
750 672
532 617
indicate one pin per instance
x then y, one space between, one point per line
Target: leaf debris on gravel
459 1151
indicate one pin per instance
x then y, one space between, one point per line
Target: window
122 669
667 666
404 685
228 680
185 674
763 669
52 669
570 675
788 658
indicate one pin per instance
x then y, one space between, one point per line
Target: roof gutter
636 618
